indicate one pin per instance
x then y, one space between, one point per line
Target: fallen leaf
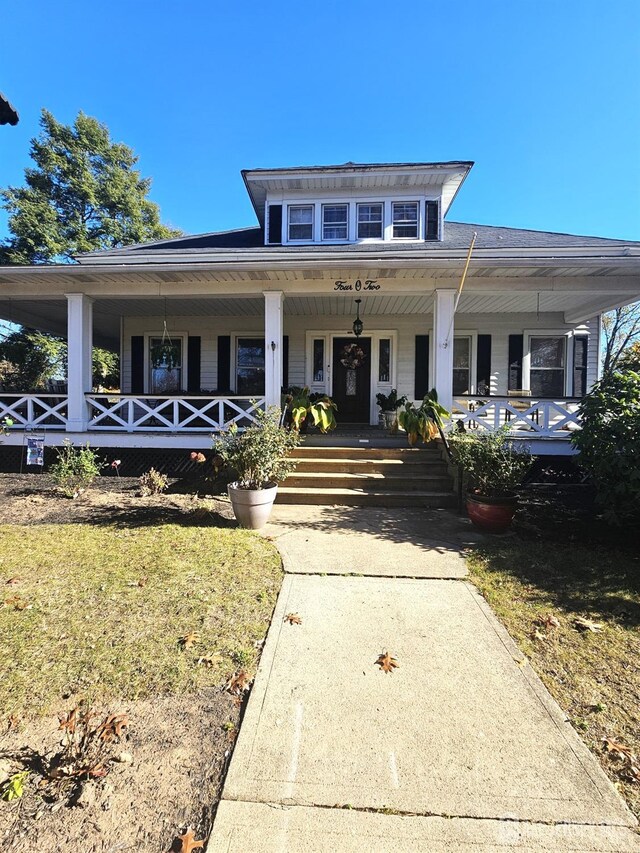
238 683
549 621
12 722
140 582
16 602
190 639
583 624
631 773
386 662
13 580
69 721
536 635
113 726
293 619
614 747
188 842
209 661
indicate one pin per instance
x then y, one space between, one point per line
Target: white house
208 323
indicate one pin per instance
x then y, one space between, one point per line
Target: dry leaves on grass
549 621
615 748
186 843
630 771
238 683
189 640
16 602
386 662
293 619
583 624
208 661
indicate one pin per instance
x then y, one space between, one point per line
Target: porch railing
531 417
150 413
33 411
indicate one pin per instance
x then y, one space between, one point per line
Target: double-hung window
165 365
250 367
301 222
405 219
370 221
462 365
547 366
335 221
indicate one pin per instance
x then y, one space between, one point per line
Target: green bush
75 469
494 467
609 444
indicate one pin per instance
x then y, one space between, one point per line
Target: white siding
593 351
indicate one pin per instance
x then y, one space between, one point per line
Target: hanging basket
165 355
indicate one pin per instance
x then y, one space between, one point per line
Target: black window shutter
194 346
422 366
516 345
483 364
224 364
137 364
274 225
432 220
285 361
579 365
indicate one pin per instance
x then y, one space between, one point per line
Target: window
384 367
318 360
335 218
370 221
301 222
165 365
461 366
405 219
547 366
250 367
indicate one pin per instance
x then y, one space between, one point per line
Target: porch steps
369 476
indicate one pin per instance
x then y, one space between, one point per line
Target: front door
352 379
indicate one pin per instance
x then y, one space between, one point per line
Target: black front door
352 379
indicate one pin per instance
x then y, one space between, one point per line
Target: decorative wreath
352 357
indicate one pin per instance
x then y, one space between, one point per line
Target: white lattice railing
128 413
533 417
33 411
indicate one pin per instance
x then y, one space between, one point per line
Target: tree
83 195
621 328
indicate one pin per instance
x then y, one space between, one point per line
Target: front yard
147 620
541 591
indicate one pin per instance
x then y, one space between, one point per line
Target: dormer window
335 221
370 221
405 219
301 222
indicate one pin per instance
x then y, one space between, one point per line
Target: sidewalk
460 747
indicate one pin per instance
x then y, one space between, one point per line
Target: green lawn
97 612
593 675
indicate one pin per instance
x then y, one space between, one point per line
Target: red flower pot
491 515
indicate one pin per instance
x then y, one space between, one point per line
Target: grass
98 612
594 676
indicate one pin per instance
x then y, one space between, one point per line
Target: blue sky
543 96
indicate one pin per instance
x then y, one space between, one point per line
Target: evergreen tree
82 195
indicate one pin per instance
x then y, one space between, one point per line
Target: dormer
354 203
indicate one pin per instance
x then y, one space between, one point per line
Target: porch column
273 302
443 313
79 345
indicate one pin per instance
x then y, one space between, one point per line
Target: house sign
368 284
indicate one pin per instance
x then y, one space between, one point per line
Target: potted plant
424 421
259 456
389 405
302 404
495 469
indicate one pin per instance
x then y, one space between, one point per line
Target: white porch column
80 345
443 313
273 326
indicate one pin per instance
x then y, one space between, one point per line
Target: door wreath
352 357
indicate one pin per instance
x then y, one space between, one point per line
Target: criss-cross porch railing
150 413
533 417
33 411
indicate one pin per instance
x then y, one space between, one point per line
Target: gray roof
457 236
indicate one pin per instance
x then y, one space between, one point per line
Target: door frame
326 387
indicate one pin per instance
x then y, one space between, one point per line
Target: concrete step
391 467
359 497
369 481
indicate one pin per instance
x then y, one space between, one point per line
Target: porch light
358 325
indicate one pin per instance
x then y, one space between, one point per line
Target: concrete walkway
460 747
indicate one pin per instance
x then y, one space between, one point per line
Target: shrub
609 444
153 483
493 465
259 455
75 469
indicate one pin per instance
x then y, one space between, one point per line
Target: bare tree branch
621 329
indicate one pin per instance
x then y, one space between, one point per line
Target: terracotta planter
491 515
252 507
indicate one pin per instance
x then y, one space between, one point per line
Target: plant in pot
424 421
260 458
303 406
495 469
389 405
